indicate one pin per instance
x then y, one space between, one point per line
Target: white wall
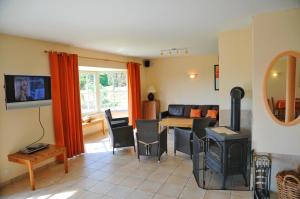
20 127
235 53
272 34
170 77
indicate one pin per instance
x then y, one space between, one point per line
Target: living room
183 61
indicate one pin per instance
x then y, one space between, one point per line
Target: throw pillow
195 113
212 114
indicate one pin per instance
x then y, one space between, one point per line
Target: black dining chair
151 141
183 137
121 134
116 122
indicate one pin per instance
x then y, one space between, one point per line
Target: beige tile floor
99 174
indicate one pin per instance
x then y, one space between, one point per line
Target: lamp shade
151 89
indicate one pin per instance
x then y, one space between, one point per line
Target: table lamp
151 91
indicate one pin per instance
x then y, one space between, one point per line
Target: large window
101 90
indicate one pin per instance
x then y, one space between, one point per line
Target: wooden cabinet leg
31 176
66 162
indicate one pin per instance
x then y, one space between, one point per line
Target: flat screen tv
27 91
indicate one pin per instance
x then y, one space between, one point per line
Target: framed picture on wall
216 76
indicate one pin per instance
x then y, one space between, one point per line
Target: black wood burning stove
226 152
226 149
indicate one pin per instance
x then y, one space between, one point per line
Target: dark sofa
182 110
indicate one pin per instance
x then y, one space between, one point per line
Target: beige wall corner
272 33
170 77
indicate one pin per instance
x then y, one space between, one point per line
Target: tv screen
27 91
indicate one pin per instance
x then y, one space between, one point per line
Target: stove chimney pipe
237 93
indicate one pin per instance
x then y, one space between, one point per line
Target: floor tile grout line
108 160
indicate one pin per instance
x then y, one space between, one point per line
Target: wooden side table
94 122
151 109
31 159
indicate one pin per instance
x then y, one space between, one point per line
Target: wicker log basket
288 184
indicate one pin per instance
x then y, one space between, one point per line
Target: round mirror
282 88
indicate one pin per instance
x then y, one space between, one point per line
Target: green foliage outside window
103 90
103 79
113 90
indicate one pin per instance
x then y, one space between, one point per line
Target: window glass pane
87 92
113 90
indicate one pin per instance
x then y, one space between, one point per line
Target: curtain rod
101 59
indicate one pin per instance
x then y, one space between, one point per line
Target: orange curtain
134 92
66 102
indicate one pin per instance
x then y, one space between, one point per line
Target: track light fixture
174 51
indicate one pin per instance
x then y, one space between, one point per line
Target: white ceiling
132 27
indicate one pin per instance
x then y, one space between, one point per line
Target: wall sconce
193 75
275 74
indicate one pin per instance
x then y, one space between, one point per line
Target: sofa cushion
214 107
195 113
204 109
176 110
212 113
187 109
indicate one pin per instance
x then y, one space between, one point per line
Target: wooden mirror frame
265 87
